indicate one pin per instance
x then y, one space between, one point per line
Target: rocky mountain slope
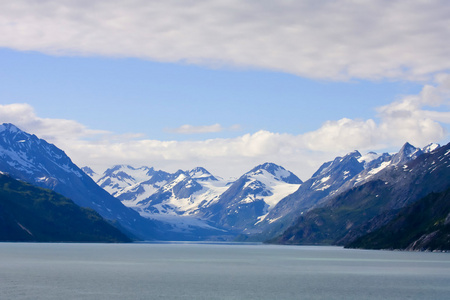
32 214
373 203
26 157
331 179
423 225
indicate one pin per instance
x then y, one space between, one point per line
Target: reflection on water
217 271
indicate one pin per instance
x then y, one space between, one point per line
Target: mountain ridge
262 203
26 157
370 205
32 214
420 226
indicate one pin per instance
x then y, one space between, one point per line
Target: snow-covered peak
200 173
431 147
119 178
278 172
368 157
373 160
22 153
128 172
355 153
88 171
408 149
91 173
407 152
345 163
9 127
14 134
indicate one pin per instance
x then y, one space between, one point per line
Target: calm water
211 271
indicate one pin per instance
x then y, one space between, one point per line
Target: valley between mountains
346 199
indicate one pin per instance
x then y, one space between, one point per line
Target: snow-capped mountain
250 198
175 198
430 148
265 200
376 164
195 198
119 177
375 202
26 157
142 187
328 178
332 178
184 194
90 172
194 204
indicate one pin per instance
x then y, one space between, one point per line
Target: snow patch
327 186
325 179
367 158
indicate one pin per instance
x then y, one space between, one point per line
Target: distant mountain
423 225
250 199
331 179
259 205
32 214
374 163
374 201
327 180
345 199
196 200
174 199
120 177
89 172
184 193
26 157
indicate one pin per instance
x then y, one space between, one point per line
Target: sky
225 84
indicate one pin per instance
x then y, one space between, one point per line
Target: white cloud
343 135
418 119
23 115
404 120
320 39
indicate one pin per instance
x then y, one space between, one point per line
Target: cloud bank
335 40
419 119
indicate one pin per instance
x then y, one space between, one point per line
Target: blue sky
128 95
225 84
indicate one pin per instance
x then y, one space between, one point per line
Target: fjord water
217 271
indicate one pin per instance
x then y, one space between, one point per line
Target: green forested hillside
424 225
29 213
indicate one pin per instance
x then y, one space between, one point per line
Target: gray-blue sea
217 271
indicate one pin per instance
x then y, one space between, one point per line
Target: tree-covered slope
424 225
32 214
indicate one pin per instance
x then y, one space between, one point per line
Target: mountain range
344 200
374 202
195 199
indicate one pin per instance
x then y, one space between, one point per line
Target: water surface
217 271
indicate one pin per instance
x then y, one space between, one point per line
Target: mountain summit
279 173
249 199
26 157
